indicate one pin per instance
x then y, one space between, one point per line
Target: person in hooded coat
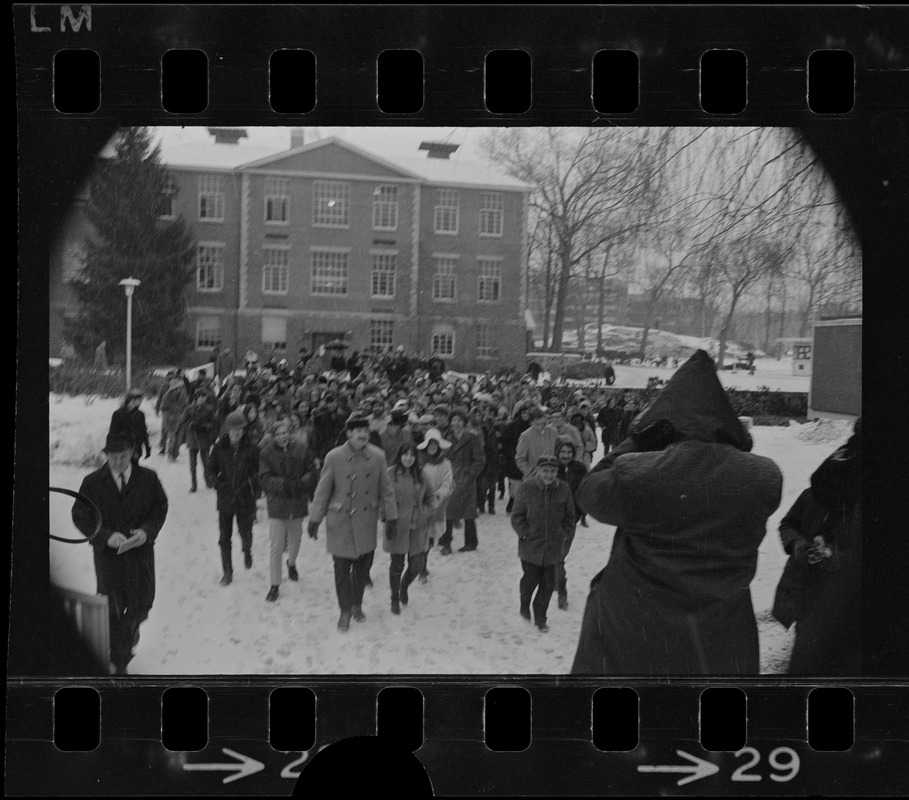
690 503
820 589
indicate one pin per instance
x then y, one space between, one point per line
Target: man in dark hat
691 504
353 491
133 508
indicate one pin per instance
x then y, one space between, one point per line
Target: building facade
327 241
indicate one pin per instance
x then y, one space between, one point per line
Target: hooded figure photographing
691 504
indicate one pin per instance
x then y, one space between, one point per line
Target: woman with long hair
411 533
439 478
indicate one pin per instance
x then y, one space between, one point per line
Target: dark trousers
561 579
486 490
124 630
226 527
202 453
470 533
398 576
350 580
541 579
501 483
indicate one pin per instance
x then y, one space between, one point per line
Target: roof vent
438 149
228 135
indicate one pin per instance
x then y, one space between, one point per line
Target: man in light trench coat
352 490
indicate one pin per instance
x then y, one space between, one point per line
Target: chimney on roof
297 137
228 135
438 149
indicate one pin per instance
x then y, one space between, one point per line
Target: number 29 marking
788 765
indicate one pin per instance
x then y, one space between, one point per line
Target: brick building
326 241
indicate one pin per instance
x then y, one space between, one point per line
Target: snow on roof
208 155
456 170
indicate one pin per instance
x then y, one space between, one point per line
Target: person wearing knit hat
130 421
235 469
691 504
353 489
543 518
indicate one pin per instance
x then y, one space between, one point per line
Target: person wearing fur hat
133 509
544 518
691 503
439 479
353 490
820 589
235 469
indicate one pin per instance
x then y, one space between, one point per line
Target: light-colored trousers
283 534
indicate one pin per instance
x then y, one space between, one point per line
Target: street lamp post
129 286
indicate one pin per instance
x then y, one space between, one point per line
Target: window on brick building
443 341
274 333
489 282
487 345
275 269
492 213
444 282
208 333
381 335
384 269
331 204
211 198
385 208
446 211
277 201
209 267
330 270
167 208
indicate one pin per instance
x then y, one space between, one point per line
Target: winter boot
395 606
563 601
357 613
542 626
247 559
292 572
344 621
227 579
525 612
272 594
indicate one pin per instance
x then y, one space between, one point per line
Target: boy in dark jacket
235 470
544 518
128 421
571 471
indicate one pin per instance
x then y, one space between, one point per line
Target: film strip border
503 735
405 64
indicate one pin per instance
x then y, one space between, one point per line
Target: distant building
326 241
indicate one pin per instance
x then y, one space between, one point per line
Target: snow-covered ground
463 621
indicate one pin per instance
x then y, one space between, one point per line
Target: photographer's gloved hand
313 530
391 529
655 436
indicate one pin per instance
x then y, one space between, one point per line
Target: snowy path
463 621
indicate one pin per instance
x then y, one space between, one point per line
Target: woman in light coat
410 536
439 478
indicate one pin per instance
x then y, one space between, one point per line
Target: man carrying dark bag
235 470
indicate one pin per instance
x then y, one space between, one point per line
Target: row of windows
330 273
381 336
331 205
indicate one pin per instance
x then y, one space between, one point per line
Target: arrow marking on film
246 766
699 768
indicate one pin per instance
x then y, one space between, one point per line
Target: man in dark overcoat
133 508
467 456
691 505
235 470
129 421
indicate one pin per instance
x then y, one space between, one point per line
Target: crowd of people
390 450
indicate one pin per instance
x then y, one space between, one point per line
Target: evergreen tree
126 193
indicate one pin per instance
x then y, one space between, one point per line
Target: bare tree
590 184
